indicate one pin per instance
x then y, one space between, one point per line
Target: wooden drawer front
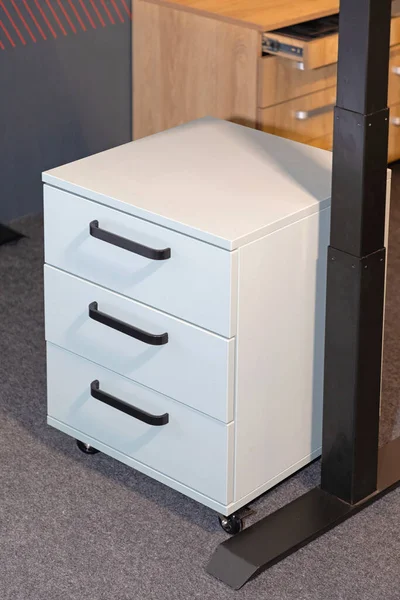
281 80
191 365
197 283
394 77
303 119
312 54
394 134
325 142
191 448
316 53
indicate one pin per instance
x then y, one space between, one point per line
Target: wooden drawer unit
302 119
173 357
178 443
291 82
208 408
229 60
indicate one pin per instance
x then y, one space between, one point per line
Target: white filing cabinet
185 306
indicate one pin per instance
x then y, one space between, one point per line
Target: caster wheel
232 524
86 448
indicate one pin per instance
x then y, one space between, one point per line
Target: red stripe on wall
85 10
40 9
66 15
32 16
128 12
53 12
120 17
69 11
25 24
109 15
8 36
78 18
96 10
17 31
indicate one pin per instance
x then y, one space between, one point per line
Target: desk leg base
262 545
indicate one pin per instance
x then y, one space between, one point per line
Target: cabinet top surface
216 181
258 14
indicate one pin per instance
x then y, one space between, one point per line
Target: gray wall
60 100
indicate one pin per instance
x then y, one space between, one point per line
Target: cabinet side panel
280 352
186 66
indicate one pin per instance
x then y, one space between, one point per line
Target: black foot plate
270 540
243 556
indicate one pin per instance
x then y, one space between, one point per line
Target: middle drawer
302 119
177 359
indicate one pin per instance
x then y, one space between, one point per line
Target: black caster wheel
86 448
232 524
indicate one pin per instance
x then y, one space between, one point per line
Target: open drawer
313 44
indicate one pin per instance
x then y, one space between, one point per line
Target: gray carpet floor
76 527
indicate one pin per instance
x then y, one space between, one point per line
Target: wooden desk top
264 15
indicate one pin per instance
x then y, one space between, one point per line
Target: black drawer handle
138 334
128 409
121 242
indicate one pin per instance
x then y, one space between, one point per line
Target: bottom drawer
191 448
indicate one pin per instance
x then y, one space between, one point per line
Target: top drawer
313 44
197 283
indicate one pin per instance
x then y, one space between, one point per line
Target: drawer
197 283
325 142
177 359
394 134
394 77
315 43
190 448
281 80
302 119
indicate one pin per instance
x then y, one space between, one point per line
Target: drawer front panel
312 54
303 119
197 283
187 363
190 448
394 77
394 134
281 80
324 142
